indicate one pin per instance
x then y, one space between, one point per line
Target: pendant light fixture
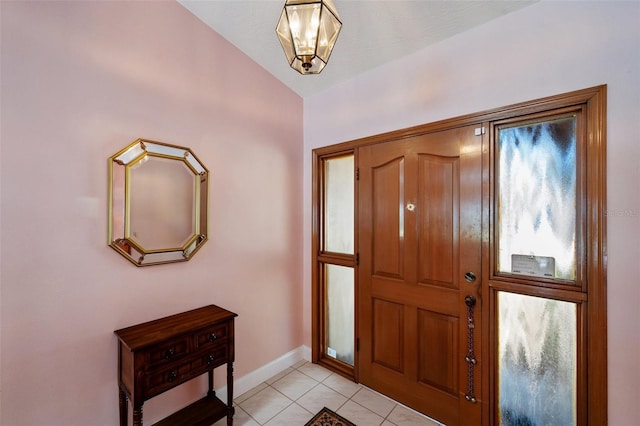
307 30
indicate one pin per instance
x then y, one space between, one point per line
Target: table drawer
212 335
168 351
213 358
162 380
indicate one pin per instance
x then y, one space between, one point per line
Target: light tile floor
295 395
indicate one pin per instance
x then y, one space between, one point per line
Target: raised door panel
438 349
388 343
388 219
438 223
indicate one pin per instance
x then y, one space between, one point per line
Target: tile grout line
278 413
291 401
316 382
315 386
349 398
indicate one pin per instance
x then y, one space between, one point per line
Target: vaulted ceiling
373 32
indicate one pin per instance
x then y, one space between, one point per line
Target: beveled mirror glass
157 203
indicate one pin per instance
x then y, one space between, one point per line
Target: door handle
470 301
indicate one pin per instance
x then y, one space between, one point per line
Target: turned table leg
124 404
211 391
230 412
137 416
230 408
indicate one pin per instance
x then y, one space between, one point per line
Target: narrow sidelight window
338 205
340 302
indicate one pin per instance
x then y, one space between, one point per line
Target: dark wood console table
159 355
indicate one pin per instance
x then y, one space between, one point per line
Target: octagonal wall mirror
157 203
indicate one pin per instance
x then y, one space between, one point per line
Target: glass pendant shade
308 30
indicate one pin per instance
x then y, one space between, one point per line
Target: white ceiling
373 32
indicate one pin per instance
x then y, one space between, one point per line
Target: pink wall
80 80
541 50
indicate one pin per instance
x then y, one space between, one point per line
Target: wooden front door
419 223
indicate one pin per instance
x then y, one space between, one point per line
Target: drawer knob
212 337
172 376
210 359
168 353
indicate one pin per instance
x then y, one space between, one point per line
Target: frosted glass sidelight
339 282
536 180
537 361
339 204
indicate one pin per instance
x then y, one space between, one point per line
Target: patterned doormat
326 417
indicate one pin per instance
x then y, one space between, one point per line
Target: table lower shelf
203 412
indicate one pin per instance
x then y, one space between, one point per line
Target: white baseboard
254 378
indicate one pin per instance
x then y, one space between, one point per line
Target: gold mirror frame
157 203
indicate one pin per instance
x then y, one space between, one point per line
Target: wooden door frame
593 102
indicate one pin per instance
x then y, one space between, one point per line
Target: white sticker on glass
538 266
